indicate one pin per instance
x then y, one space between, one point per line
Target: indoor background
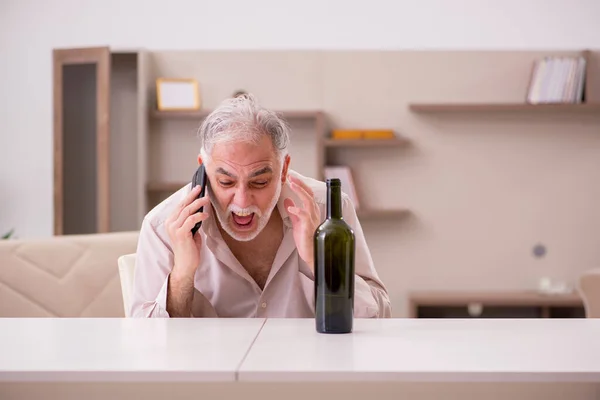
476 200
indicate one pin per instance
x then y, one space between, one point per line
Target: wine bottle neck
334 202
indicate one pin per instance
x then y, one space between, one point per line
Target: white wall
30 29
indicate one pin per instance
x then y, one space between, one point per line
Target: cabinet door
81 140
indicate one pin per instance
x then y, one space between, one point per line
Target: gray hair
242 119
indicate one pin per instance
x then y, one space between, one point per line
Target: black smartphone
201 179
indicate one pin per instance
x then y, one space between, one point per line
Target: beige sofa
63 276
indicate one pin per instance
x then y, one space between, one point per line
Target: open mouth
243 220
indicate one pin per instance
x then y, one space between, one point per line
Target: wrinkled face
245 184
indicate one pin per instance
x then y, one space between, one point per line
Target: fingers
298 212
287 203
291 208
183 203
190 222
190 209
299 182
305 192
188 199
189 205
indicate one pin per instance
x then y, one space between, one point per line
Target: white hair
242 119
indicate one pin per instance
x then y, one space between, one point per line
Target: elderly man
253 254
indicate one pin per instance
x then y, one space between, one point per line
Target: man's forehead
248 164
234 169
243 158
250 172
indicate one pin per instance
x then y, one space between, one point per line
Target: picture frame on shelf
177 94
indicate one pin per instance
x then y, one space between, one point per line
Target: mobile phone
201 179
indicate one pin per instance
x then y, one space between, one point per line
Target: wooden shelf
503 107
495 304
365 142
199 114
192 114
524 298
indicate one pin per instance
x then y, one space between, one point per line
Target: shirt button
264 305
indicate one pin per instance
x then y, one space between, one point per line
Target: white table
124 350
420 350
286 358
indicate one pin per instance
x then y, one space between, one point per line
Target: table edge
417 376
118 376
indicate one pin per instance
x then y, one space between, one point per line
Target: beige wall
483 188
26 80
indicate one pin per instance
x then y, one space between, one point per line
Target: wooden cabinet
99 116
513 304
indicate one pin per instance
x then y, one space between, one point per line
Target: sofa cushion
63 276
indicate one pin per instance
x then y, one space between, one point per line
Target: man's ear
199 159
284 172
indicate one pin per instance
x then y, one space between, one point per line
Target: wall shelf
365 142
590 104
199 114
192 114
504 107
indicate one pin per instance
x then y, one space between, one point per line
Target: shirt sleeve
153 264
371 299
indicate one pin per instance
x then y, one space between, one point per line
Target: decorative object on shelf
177 94
8 235
547 286
341 134
384 134
364 134
344 174
557 80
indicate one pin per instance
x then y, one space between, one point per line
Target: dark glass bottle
334 267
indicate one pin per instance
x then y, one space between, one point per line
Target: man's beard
226 218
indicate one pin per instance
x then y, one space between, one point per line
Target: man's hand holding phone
186 246
186 251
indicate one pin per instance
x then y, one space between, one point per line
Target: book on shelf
557 80
344 174
357 134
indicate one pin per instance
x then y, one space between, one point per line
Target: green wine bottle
334 247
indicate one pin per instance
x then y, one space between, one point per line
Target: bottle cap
334 182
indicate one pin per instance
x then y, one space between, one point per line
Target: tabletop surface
291 350
61 349
428 350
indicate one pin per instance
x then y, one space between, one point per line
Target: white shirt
223 288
